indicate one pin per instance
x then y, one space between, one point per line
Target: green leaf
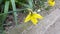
6 8
3 17
14 9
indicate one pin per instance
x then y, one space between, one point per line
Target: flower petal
51 3
34 20
37 16
27 18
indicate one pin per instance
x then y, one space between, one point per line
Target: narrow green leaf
6 10
3 17
14 9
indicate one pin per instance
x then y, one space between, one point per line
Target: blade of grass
14 9
3 17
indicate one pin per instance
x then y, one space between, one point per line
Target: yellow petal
34 20
51 3
28 17
37 16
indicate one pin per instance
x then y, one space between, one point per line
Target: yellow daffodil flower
51 2
33 17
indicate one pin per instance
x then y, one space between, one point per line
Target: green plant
18 6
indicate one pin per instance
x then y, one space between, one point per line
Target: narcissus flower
51 2
33 16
